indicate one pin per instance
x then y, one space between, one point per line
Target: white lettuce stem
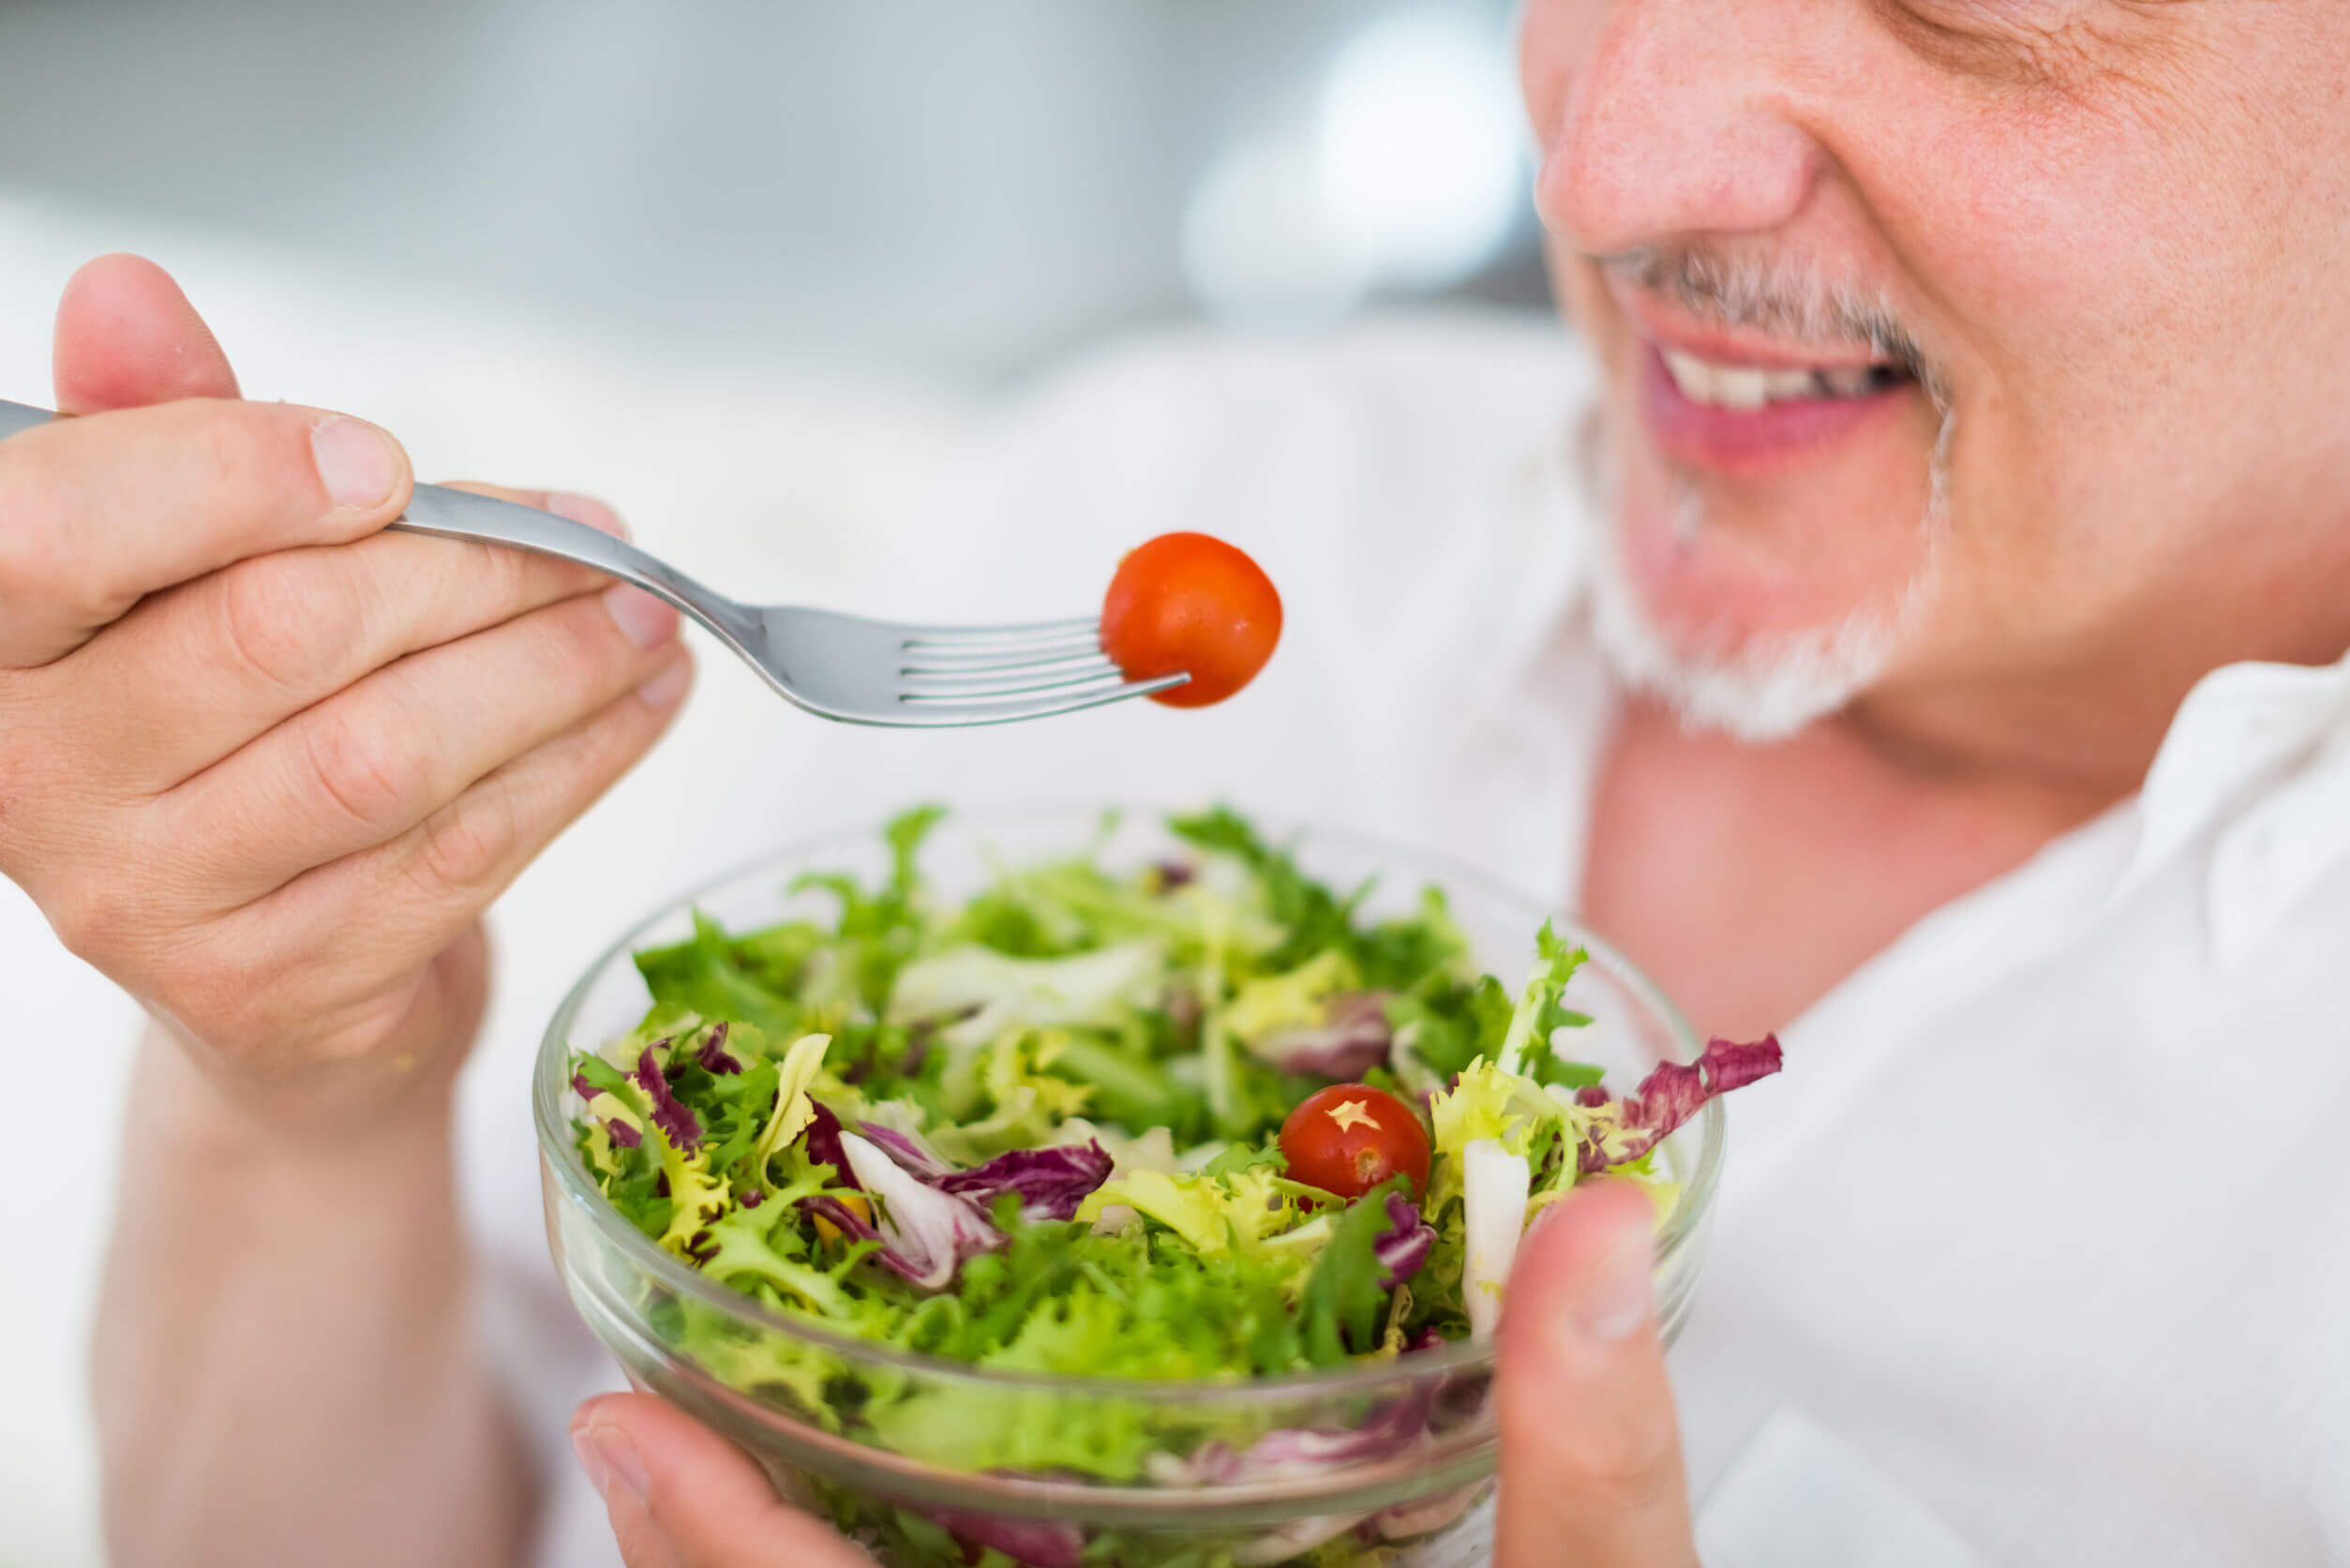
1494 1188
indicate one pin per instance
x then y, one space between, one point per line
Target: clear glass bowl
875 1437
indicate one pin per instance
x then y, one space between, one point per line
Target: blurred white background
750 269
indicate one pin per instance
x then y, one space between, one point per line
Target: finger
126 337
369 764
680 1495
96 511
344 943
1590 1453
195 672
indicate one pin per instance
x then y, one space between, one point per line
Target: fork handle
461 514
447 514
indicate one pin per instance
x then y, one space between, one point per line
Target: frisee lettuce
1037 1133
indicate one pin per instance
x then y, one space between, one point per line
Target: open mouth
1746 388
1720 417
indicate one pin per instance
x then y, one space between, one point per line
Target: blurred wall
927 182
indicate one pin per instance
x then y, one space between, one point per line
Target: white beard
1772 685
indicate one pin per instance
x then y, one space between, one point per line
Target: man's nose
1667 124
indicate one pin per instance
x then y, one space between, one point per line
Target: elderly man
1917 626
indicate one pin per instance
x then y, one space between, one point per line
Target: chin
1684 613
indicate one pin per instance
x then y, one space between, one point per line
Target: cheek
2103 276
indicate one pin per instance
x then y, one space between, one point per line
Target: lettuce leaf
1618 1132
1347 1292
1530 1024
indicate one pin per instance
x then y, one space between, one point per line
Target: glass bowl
875 1437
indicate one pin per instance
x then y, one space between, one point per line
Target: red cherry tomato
1349 1137
1186 604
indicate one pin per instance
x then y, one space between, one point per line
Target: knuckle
216 998
1633 1457
240 448
95 916
585 652
515 577
364 771
466 848
285 615
1628 1453
35 565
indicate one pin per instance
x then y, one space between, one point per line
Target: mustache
1787 300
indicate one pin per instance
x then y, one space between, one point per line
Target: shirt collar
2257 758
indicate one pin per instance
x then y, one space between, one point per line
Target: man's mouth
1745 388
1732 416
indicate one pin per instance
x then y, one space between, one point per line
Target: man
1970 559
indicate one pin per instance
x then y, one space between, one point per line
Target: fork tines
1058 662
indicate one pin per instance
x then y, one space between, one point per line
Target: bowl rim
550 1081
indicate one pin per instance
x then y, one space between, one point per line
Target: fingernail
664 691
588 510
642 618
1614 1300
355 462
606 1456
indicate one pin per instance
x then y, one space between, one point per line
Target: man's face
1947 340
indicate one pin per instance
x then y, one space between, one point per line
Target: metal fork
838 666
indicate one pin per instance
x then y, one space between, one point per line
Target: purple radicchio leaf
1173 874
1426 1515
714 1054
1426 1339
925 1233
841 1217
1591 1097
1288 1452
1403 1247
914 1155
623 1135
1353 1039
674 1118
1676 1091
822 1137
754 1197
1051 1182
1038 1543
1291 1542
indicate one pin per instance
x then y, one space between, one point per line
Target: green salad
1204 1119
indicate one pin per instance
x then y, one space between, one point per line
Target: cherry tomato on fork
1349 1137
1186 604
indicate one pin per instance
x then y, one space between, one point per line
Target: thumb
128 338
1591 1454
680 1496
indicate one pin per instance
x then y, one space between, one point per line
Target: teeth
1743 388
1691 375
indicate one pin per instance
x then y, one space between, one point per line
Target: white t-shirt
2038 1252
